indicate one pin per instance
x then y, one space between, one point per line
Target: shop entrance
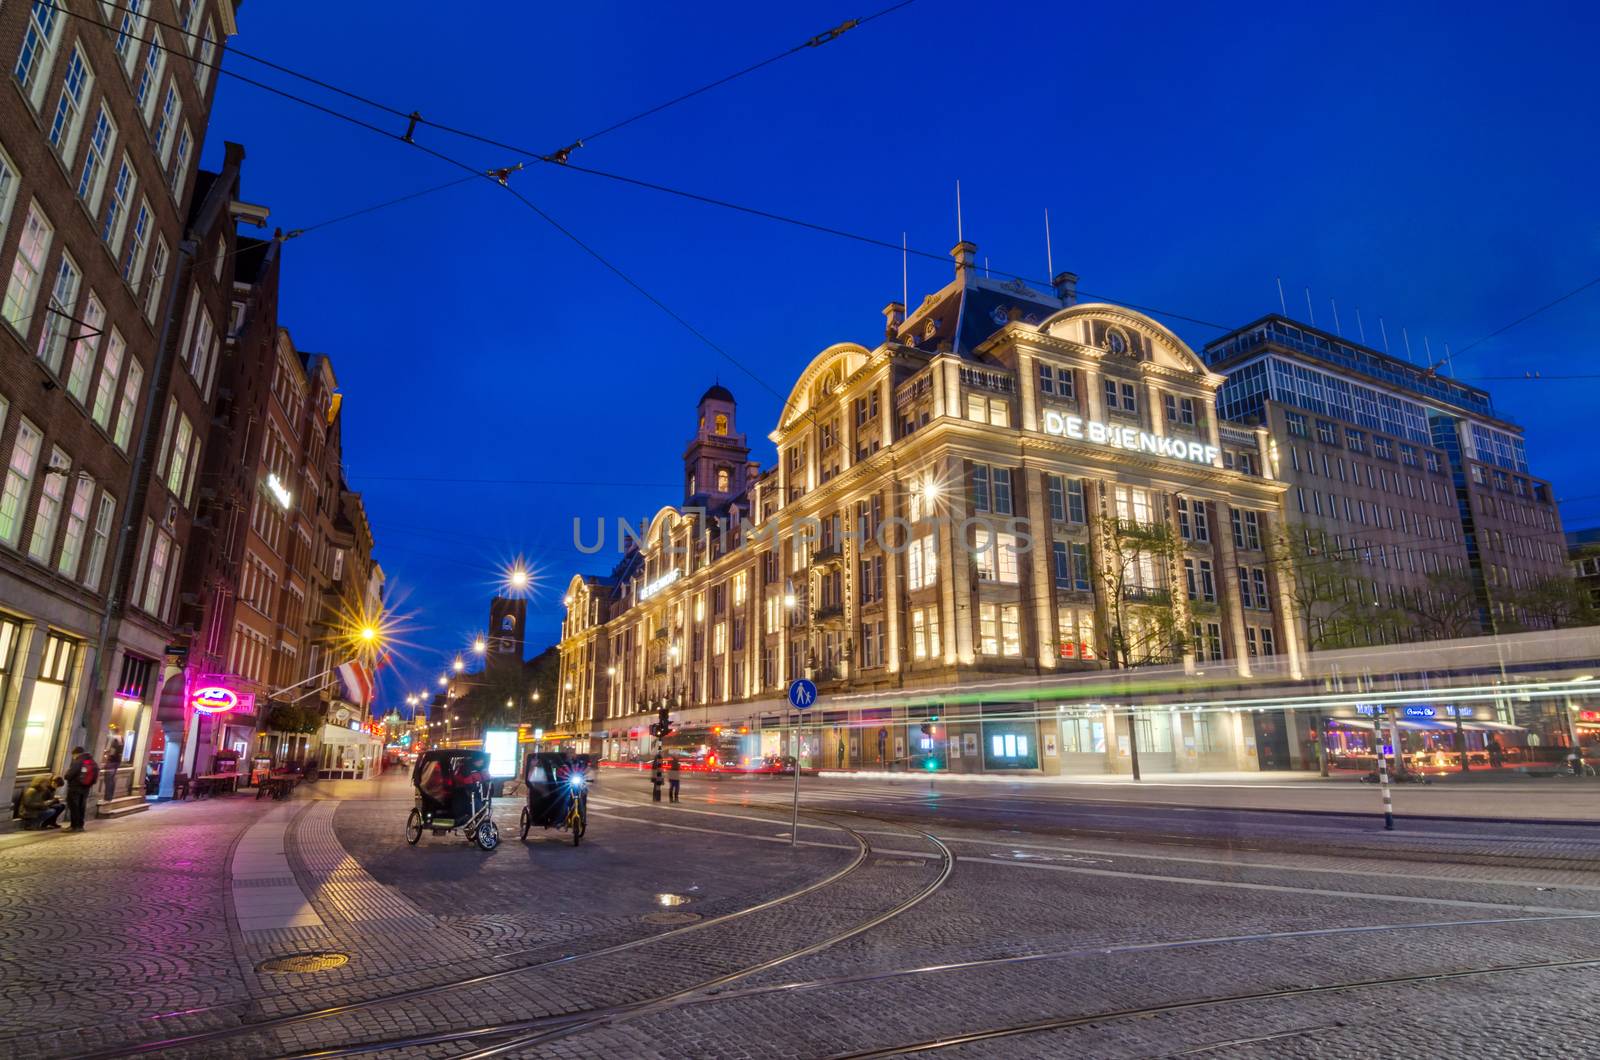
1272 740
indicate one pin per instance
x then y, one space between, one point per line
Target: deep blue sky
1430 163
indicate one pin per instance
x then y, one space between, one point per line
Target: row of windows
69 503
1378 478
1367 513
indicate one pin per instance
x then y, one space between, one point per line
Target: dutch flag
357 682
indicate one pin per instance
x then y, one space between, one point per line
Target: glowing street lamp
443 680
789 599
458 665
479 646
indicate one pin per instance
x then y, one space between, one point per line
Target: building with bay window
1010 484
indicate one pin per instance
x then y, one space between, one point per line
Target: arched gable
659 524
827 370
1077 324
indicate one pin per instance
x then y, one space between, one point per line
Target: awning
1350 723
1498 726
1430 726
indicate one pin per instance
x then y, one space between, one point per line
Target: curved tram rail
1067 1022
199 1038
522 1034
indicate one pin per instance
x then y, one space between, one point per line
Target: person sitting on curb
40 807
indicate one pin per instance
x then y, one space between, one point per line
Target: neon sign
214 700
279 491
647 591
1132 439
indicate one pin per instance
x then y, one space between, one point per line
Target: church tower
715 463
506 620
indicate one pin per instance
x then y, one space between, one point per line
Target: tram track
1017 1030
505 1038
220 1034
580 1022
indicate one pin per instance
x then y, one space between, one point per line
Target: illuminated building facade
1012 483
1407 476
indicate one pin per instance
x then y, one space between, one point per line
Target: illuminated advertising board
501 746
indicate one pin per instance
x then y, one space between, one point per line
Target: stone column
1228 594
892 542
1039 561
1028 390
955 575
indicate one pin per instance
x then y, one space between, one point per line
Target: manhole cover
305 962
671 918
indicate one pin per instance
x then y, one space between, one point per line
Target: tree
1328 592
1146 622
1556 602
1447 608
291 718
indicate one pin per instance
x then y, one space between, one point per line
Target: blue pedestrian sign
802 694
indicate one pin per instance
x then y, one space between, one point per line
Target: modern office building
1405 482
105 369
1011 483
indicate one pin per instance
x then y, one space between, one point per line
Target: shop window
44 711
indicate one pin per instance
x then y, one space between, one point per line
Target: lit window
51 493
27 267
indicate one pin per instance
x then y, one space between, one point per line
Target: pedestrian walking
673 779
81 774
1496 752
113 762
656 779
40 807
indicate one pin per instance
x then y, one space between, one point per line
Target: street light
458 665
443 680
789 599
479 646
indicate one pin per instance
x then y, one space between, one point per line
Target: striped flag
357 682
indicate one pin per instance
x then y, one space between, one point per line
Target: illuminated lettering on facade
1117 436
647 591
279 491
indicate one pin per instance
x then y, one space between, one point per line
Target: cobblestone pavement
1244 935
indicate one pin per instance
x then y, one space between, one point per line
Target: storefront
348 753
1010 738
46 713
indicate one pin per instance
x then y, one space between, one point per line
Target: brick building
1398 479
105 367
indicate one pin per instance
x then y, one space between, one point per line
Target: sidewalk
1565 799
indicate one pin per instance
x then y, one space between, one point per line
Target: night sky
1432 164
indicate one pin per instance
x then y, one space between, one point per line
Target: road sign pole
794 824
802 696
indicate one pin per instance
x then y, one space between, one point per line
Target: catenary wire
532 156
712 200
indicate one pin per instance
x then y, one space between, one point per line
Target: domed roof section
718 392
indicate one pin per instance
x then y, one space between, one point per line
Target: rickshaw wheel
527 822
414 827
578 822
488 836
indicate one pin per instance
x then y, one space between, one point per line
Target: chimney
1066 285
966 255
894 314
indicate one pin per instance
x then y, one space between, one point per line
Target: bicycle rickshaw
558 794
453 795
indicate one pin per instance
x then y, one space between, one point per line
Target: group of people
662 770
38 805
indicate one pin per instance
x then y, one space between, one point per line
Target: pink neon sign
214 700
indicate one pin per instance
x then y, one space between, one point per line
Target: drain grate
671 918
316 961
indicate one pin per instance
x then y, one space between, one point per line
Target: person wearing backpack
82 772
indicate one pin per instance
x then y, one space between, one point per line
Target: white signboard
501 745
649 590
1117 436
